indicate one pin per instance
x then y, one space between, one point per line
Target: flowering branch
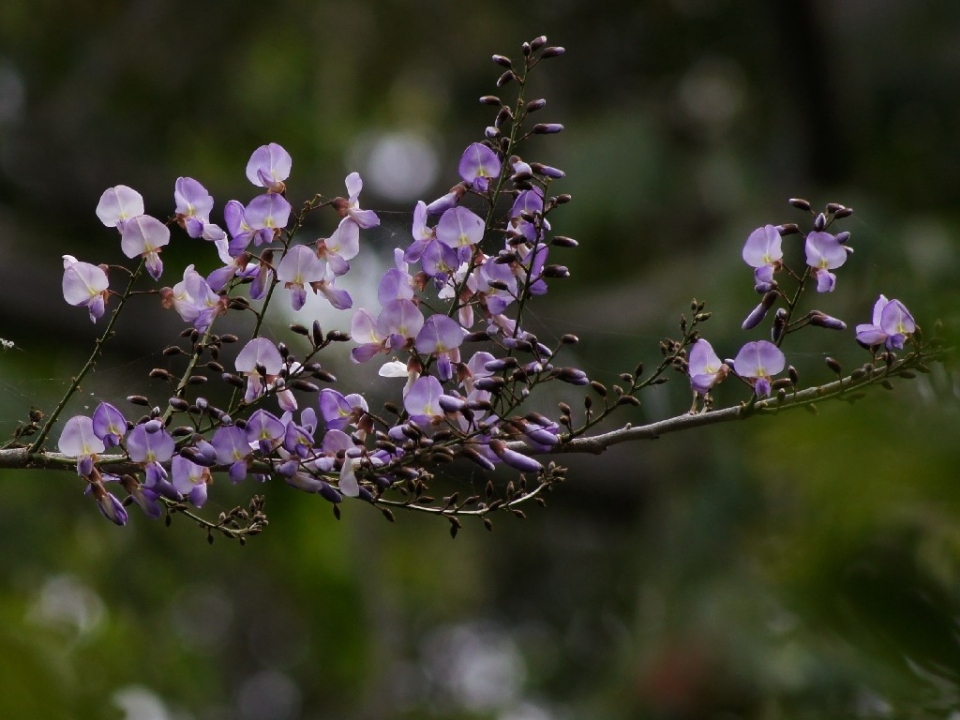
451 324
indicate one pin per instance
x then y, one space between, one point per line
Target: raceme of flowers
448 327
759 361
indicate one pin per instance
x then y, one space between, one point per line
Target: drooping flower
478 165
762 251
269 166
118 204
825 253
80 441
459 228
109 424
892 324
111 508
190 479
194 204
145 235
757 362
705 368
260 361
297 269
350 208
232 448
85 285
193 299
422 401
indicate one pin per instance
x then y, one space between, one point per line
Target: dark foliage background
806 567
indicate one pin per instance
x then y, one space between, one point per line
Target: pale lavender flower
824 253
705 368
265 430
459 228
757 362
298 268
109 424
478 165
762 251
269 166
259 353
422 401
144 446
892 324
119 204
144 235
79 440
232 448
193 299
190 479
351 207
85 285
194 204
338 410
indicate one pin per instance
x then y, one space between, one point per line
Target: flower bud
547 128
490 100
800 204
503 61
535 105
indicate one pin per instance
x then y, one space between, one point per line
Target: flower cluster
475 257
450 327
758 361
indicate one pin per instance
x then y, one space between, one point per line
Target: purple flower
111 508
422 401
269 166
521 462
85 285
193 299
145 235
190 479
260 221
338 411
109 424
119 204
440 336
194 204
144 446
232 448
80 441
892 323
459 227
265 430
705 368
824 253
258 354
478 165
350 208
762 251
298 268
757 362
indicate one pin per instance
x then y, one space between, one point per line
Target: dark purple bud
572 376
538 42
834 365
563 199
556 271
843 212
820 222
328 493
525 48
800 204
491 132
547 171
490 384
563 241
779 324
765 287
788 229
508 76
826 321
503 61
502 116
553 52
547 128
842 237
535 105
490 100
500 364
760 311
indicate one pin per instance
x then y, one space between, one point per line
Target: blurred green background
807 567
